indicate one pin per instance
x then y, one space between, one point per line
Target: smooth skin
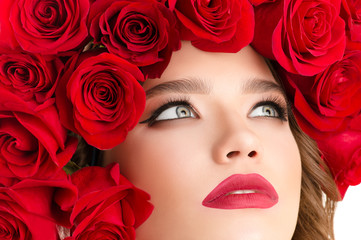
229 127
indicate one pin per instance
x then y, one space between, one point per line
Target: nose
234 140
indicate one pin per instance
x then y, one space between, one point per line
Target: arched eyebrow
198 86
257 85
188 86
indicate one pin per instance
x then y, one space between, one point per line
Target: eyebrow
180 86
198 86
257 85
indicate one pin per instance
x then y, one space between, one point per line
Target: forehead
215 69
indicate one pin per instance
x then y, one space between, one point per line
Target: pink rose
30 76
220 25
32 142
108 206
142 31
305 37
45 27
99 97
31 209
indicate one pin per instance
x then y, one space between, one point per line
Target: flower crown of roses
76 66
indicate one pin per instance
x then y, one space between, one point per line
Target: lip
258 193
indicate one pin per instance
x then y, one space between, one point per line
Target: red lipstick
242 191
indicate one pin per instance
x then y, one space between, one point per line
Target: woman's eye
265 111
172 110
175 112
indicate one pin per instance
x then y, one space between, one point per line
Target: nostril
252 154
232 154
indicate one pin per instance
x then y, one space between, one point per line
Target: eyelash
276 102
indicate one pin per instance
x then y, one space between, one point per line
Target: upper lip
255 182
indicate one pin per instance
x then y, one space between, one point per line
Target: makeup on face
242 191
214 150
272 105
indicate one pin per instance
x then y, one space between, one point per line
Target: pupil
268 111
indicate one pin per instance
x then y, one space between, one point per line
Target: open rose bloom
76 67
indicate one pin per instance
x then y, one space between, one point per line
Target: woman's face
211 117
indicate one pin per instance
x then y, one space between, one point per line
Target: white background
347 223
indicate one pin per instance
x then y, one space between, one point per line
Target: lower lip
240 201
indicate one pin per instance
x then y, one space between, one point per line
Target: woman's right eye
175 112
170 111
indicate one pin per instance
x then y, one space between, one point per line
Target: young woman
219 152
191 104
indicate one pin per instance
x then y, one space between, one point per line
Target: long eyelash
280 104
184 101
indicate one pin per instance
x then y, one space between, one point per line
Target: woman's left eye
266 110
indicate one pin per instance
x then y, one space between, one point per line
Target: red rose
220 25
44 26
143 32
353 18
350 12
309 118
30 76
99 98
343 155
267 16
307 36
31 142
108 205
30 209
310 36
337 91
325 103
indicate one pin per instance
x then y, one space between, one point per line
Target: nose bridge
234 138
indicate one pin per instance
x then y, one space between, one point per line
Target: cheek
290 166
161 162
282 155
287 174
164 167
